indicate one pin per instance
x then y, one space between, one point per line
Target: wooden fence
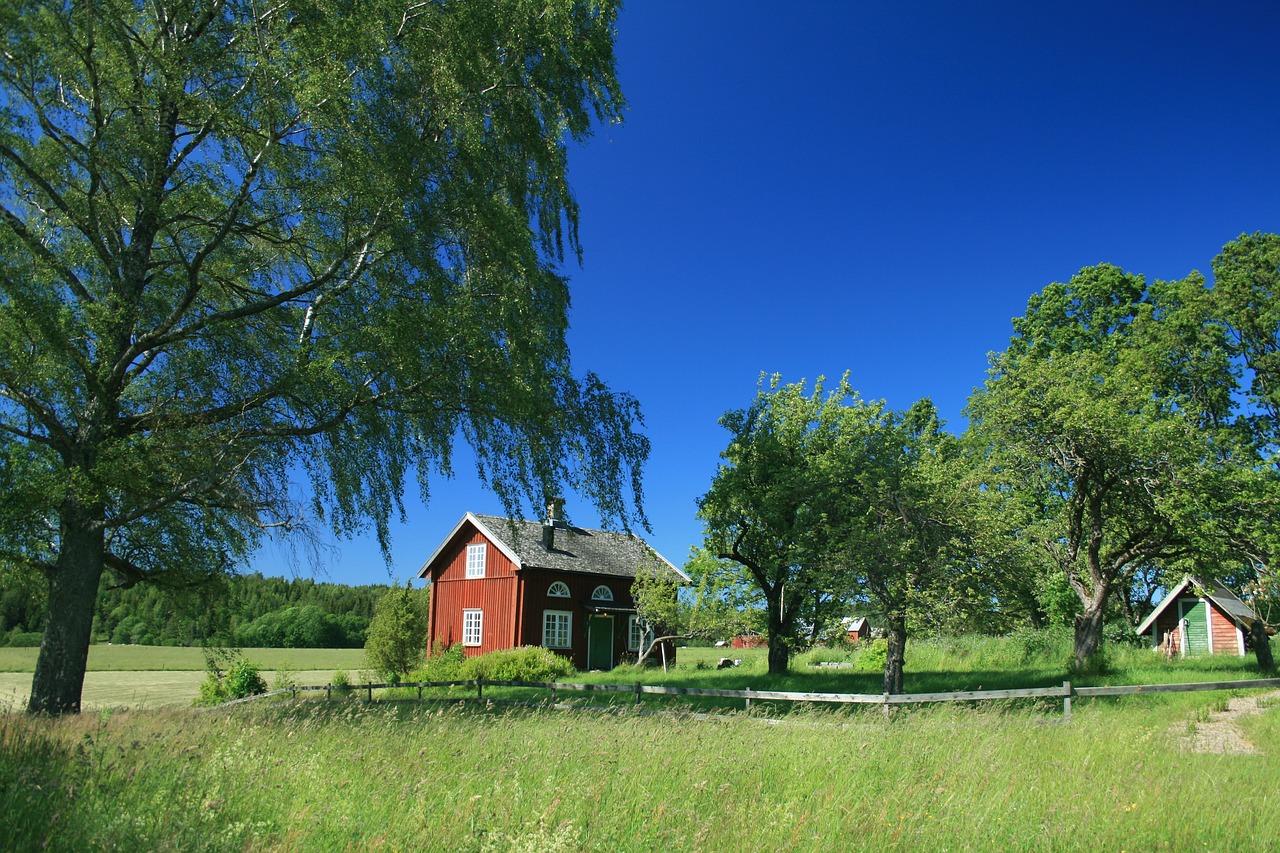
1065 692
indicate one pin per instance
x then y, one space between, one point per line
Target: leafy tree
716 607
240 242
397 640
767 506
828 499
1106 424
1246 296
900 526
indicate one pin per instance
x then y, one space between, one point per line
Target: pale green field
164 676
165 658
140 690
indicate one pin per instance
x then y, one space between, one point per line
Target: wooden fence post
886 707
747 698
637 693
369 686
419 691
479 688
1066 701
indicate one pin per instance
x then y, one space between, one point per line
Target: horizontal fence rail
1065 692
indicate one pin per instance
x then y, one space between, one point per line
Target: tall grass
315 776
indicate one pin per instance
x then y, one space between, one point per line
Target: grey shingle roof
576 549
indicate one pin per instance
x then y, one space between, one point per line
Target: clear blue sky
814 187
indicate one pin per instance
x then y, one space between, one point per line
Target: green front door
599 642
1195 616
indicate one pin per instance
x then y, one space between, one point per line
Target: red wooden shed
498 583
1199 618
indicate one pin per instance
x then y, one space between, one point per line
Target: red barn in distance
498 583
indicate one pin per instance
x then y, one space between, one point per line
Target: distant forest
249 611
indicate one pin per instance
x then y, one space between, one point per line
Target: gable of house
1196 618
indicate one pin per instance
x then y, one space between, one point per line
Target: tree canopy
1111 432
241 243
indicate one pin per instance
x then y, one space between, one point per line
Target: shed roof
573 549
1224 599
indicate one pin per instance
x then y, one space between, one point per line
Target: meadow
344 774
164 676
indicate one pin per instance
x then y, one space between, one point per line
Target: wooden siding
494 595
1225 634
536 582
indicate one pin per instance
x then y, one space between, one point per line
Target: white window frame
557 629
476 558
559 589
472 627
635 633
602 593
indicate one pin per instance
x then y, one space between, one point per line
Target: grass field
400 776
319 775
104 658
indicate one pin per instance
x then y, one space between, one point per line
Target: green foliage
527 663
23 639
1110 437
1051 645
397 639
326 240
241 678
445 664
340 678
824 499
872 656
285 677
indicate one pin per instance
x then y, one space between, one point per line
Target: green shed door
1196 615
599 642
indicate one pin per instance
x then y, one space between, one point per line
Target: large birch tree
246 243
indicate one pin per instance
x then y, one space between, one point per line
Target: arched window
559 589
602 593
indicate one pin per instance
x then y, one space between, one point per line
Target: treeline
243 610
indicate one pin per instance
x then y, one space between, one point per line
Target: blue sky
807 188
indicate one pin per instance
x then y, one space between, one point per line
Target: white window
635 633
559 589
472 627
475 560
557 628
602 593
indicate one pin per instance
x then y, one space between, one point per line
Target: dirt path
1221 734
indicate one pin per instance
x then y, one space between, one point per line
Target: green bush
242 678
25 639
527 663
340 678
445 664
1049 646
872 656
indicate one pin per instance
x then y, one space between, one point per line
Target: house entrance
1195 616
599 642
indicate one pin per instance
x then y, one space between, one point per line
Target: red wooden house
499 584
1198 618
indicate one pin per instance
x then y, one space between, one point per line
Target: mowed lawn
166 676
